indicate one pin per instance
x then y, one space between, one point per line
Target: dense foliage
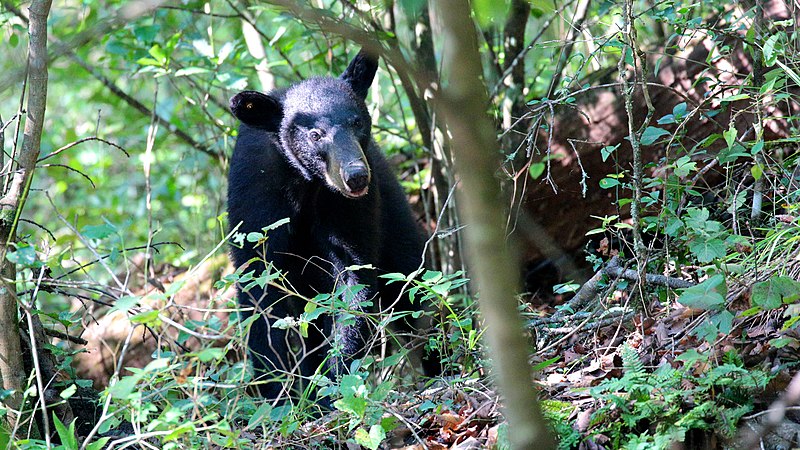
655 144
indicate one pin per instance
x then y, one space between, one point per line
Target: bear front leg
274 362
350 332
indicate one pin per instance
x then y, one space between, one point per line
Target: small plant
651 410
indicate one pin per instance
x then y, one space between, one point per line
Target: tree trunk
463 103
11 364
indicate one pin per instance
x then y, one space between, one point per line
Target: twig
613 269
590 288
519 58
629 38
65 337
81 141
566 52
775 416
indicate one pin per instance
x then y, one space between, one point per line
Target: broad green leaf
652 134
24 255
756 171
124 386
98 231
723 321
782 341
606 151
706 250
730 154
146 317
608 183
536 170
490 11
211 354
775 292
708 295
684 165
263 411
730 135
772 49
124 304
68 392
372 439
353 405
158 53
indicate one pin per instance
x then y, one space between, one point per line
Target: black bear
306 153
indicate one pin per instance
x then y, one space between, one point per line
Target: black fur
307 153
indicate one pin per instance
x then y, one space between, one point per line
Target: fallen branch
590 289
613 269
775 416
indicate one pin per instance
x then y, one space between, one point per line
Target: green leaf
353 405
146 317
652 134
24 255
124 304
98 444
608 183
536 170
545 364
679 110
782 341
734 98
756 171
707 331
381 391
68 439
372 439
68 392
275 225
98 231
775 292
186 71
772 49
412 8
723 321
730 154
124 386
211 354
158 53
263 411
489 11
730 135
708 295
706 250
684 165
606 151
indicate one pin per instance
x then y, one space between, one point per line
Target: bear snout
356 177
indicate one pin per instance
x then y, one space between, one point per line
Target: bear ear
360 73
257 110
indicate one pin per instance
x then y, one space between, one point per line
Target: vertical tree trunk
464 102
11 366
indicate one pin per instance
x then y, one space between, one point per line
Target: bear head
323 123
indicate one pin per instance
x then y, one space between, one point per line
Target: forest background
618 182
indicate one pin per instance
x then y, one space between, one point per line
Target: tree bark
11 364
463 103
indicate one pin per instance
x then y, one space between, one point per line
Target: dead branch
591 288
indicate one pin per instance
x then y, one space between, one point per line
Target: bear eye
314 135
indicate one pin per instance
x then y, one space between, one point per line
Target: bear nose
356 176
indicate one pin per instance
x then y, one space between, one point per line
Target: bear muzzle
356 178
